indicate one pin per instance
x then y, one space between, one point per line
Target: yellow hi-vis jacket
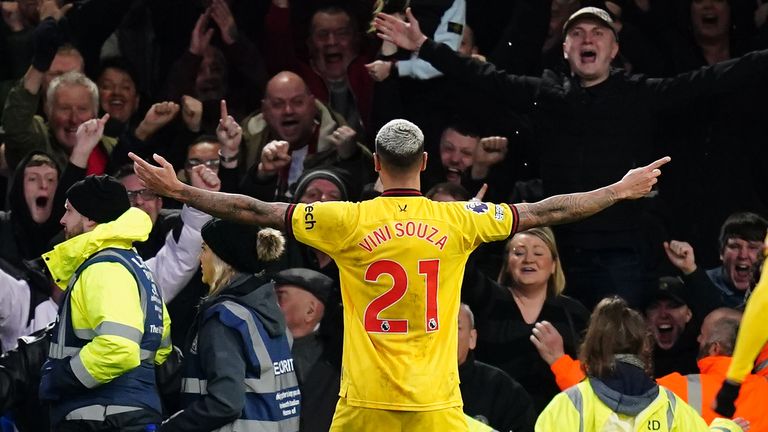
105 296
578 409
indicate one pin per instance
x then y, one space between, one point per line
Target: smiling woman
529 290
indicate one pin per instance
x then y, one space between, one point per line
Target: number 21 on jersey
429 269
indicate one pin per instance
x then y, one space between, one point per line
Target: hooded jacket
239 341
106 313
26 305
628 400
20 237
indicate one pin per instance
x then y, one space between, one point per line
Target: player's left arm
561 209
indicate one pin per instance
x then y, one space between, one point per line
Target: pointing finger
224 113
660 162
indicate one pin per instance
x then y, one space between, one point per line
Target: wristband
229 159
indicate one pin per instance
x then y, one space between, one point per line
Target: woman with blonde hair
529 289
238 371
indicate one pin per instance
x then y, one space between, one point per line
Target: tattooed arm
561 209
238 208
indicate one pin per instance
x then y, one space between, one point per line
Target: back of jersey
401 260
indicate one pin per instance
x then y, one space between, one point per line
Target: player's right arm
235 207
561 209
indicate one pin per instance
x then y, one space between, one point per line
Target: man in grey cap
302 295
593 123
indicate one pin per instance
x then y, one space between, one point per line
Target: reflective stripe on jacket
699 391
132 390
272 397
580 409
113 326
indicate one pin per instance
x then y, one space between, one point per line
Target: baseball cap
590 12
670 288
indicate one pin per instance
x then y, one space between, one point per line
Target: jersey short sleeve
483 222
322 225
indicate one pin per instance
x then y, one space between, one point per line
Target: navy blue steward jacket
238 370
130 392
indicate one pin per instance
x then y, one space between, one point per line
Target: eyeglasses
210 163
145 194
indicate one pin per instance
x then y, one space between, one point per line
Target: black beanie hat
99 198
245 247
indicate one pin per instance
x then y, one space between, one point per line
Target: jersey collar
401 192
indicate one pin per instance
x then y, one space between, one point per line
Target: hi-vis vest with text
272 397
134 389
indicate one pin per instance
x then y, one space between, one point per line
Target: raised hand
274 157
406 35
639 181
681 255
743 423
490 151
379 70
201 35
88 136
158 115
191 112
222 16
204 178
548 342
161 179
343 139
50 8
480 193
229 133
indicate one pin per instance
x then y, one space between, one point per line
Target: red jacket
280 55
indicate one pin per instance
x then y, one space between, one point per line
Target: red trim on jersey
288 218
515 219
401 192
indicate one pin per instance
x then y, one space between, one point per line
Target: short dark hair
333 8
455 190
124 171
744 225
121 64
204 138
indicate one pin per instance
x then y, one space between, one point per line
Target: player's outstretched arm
560 209
238 208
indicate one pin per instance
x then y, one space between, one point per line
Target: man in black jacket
592 124
489 394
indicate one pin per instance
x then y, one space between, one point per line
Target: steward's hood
66 257
628 391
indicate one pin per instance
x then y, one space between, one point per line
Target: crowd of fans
281 100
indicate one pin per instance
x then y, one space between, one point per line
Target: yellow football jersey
401 261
